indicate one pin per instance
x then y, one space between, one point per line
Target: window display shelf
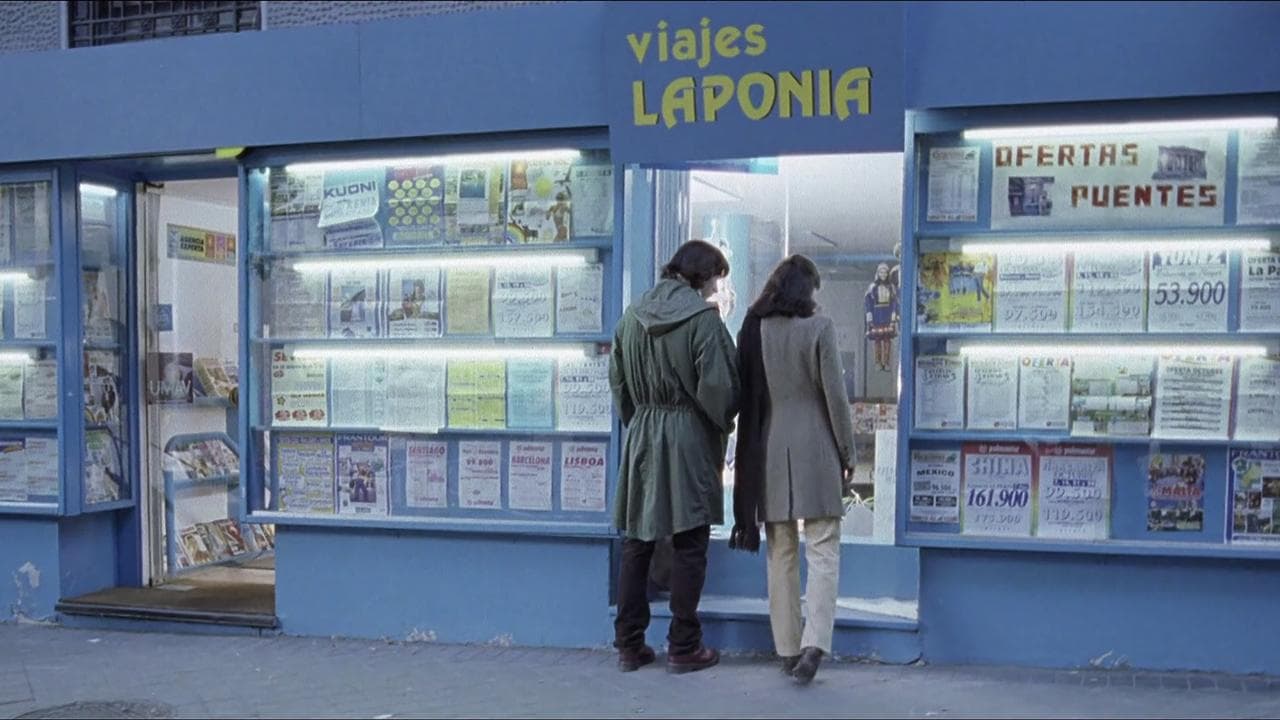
1052 439
25 343
1251 551
450 525
1170 287
393 254
28 508
46 425
232 480
1069 339
530 434
443 342
353 294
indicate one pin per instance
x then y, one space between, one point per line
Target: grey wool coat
674 377
810 430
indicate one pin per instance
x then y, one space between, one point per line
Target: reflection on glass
843 212
102 260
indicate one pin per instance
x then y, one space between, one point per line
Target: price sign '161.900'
997 489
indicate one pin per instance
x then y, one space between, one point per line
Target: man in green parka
675 384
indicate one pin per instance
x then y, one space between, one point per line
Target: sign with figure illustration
1111 180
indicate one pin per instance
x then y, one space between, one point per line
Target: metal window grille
107 23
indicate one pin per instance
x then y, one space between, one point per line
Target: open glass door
190 349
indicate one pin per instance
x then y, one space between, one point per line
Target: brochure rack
428 338
1094 350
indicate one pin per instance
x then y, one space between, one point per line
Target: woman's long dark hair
789 291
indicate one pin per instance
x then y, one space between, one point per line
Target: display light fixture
472 351
14 357
1117 246
568 258
1007 349
567 154
99 190
1236 123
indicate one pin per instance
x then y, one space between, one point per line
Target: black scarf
753 419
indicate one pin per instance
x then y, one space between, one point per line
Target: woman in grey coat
794 458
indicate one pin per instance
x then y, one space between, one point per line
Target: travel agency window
842 211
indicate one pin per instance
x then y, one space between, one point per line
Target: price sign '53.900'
1188 291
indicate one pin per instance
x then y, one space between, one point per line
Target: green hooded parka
674 376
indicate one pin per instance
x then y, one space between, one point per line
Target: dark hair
789 291
697 263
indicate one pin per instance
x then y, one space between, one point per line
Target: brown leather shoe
701 659
632 660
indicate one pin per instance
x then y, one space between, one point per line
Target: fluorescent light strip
494 260
103 190
1021 350
1240 123
467 352
11 358
1116 247
466 158
15 275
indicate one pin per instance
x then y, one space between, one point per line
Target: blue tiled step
741 624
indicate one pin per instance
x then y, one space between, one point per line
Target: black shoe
701 659
810 658
632 660
789 663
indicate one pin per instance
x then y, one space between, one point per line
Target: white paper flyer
362 475
953 184
1193 397
1031 292
1075 492
1188 291
582 477
426 473
305 473
935 486
480 475
997 490
1109 293
993 393
299 390
1044 393
939 392
529 476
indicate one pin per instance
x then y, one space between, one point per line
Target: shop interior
843 212
199 563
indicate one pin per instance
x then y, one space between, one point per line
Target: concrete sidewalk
160 675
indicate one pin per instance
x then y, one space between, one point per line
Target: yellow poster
477 394
467 301
954 291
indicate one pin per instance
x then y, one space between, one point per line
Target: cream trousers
822 551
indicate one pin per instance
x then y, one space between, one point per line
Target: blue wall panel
449 588
993 53
869 571
1068 610
183 94
87 553
471 72
28 568
516 69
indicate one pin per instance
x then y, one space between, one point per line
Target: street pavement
48 671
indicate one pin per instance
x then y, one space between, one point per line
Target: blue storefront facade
646 88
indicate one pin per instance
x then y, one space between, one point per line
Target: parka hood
667 306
